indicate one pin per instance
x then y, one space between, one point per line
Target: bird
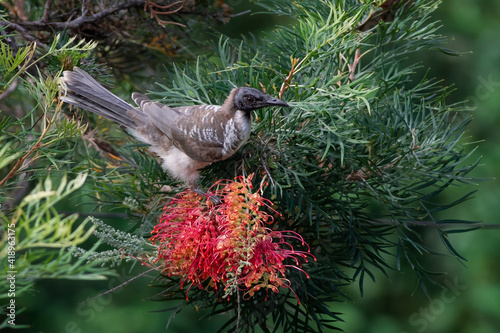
185 138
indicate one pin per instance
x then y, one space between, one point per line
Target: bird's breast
236 132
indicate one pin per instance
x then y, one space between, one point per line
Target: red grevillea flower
228 245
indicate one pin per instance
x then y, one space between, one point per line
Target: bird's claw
215 199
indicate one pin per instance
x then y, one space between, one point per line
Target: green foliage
42 129
356 165
36 241
32 217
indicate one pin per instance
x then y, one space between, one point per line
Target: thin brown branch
364 173
240 14
339 71
9 89
288 79
32 154
24 33
352 68
386 14
19 6
46 11
120 286
19 163
432 224
266 169
149 5
81 20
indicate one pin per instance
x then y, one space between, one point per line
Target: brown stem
286 82
46 11
26 156
82 19
155 13
24 33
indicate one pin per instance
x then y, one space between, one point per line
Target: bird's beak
270 101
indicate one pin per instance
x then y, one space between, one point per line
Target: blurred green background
469 303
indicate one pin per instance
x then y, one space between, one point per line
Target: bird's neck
228 107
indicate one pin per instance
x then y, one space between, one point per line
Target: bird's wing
196 130
199 132
160 115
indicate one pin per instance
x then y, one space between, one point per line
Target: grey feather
85 92
161 116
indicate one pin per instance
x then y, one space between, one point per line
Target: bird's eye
249 99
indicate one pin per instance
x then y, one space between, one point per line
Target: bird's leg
215 199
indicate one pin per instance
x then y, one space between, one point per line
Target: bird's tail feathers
85 92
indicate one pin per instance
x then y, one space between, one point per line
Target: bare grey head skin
249 99
186 138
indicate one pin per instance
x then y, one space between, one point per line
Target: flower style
230 244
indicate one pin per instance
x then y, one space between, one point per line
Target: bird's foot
215 199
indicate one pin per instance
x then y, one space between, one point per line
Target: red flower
227 245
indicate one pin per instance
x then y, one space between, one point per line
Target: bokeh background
470 301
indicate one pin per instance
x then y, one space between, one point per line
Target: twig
9 89
24 158
79 21
364 174
27 157
46 11
429 224
238 318
84 9
19 7
23 32
154 13
287 81
96 214
352 68
386 14
82 19
119 286
266 169
240 14
339 71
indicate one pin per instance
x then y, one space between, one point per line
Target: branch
119 286
21 161
154 13
24 32
81 20
288 79
432 224
386 14
9 89
46 11
26 159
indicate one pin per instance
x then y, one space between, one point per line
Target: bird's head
248 99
